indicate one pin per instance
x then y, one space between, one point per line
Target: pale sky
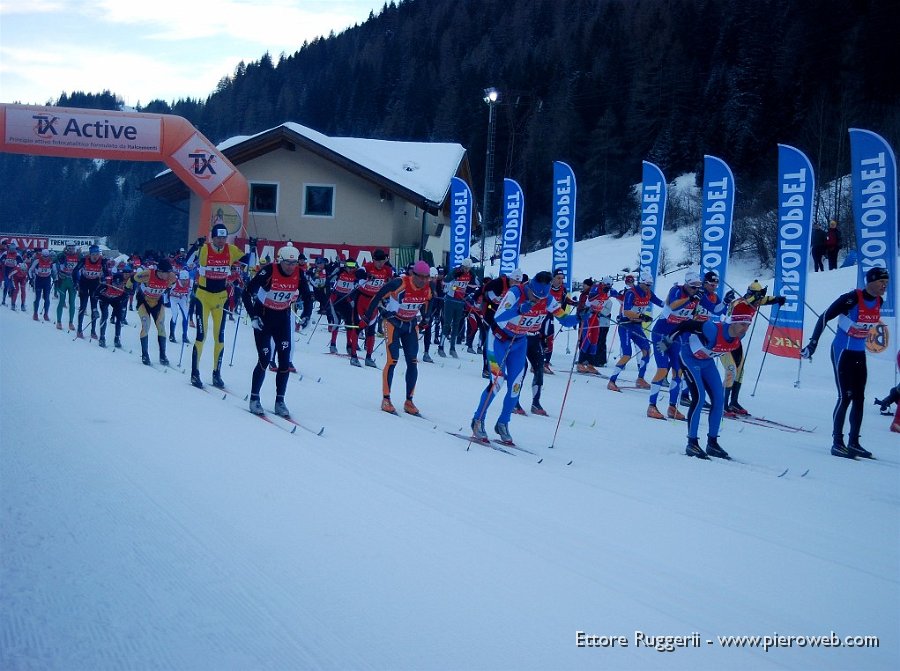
143 50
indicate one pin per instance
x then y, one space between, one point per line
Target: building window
318 200
264 198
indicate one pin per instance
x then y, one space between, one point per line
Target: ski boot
217 380
256 407
612 386
478 432
281 409
548 370
441 353
354 361
387 406
59 326
693 449
370 362
12 307
117 343
536 409
486 374
737 409
163 359
71 326
332 349
426 358
172 338
195 379
145 359
502 430
641 383
453 353
519 410
858 450
685 401
102 343
410 408
93 335
838 449
654 413
46 317
470 349
713 448
35 317
674 413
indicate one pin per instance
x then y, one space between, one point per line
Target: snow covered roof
420 171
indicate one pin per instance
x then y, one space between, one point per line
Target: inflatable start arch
134 136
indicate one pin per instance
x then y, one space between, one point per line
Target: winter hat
421 268
692 279
629 279
540 285
877 273
608 280
219 231
288 253
742 312
466 262
184 275
94 249
432 272
164 266
45 252
515 274
379 255
711 277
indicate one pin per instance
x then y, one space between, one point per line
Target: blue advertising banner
653 216
513 216
718 214
563 234
873 172
461 214
796 191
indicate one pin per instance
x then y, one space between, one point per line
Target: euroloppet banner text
796 191
461 230
653 215
718 214
513 217
873 173
563 234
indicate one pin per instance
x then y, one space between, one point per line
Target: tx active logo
203 163
45 126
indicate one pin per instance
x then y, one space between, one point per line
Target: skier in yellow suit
214 260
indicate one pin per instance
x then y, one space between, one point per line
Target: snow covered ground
145 524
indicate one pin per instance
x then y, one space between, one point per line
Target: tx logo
45 126
203 164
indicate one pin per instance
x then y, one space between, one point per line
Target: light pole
491 97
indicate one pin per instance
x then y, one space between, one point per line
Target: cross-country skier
635 313
378 272
858 312
268 299
520 314
403 302
41 273
89 272
707 341
152 286
64 282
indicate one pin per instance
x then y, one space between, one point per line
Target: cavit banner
796 189
563 236
513 216
873 172
718 212
653 215
461 230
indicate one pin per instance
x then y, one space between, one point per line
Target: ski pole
563 404
234 342
765 352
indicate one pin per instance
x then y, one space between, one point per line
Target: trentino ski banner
873 173
718 213
461 229
513 216
796 189
653 215
563 234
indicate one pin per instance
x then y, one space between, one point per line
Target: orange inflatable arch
134 136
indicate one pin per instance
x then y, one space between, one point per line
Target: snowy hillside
149 525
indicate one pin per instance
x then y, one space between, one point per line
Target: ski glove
810 349
256 323
304 322
525 307
781 300
647 319
730 296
